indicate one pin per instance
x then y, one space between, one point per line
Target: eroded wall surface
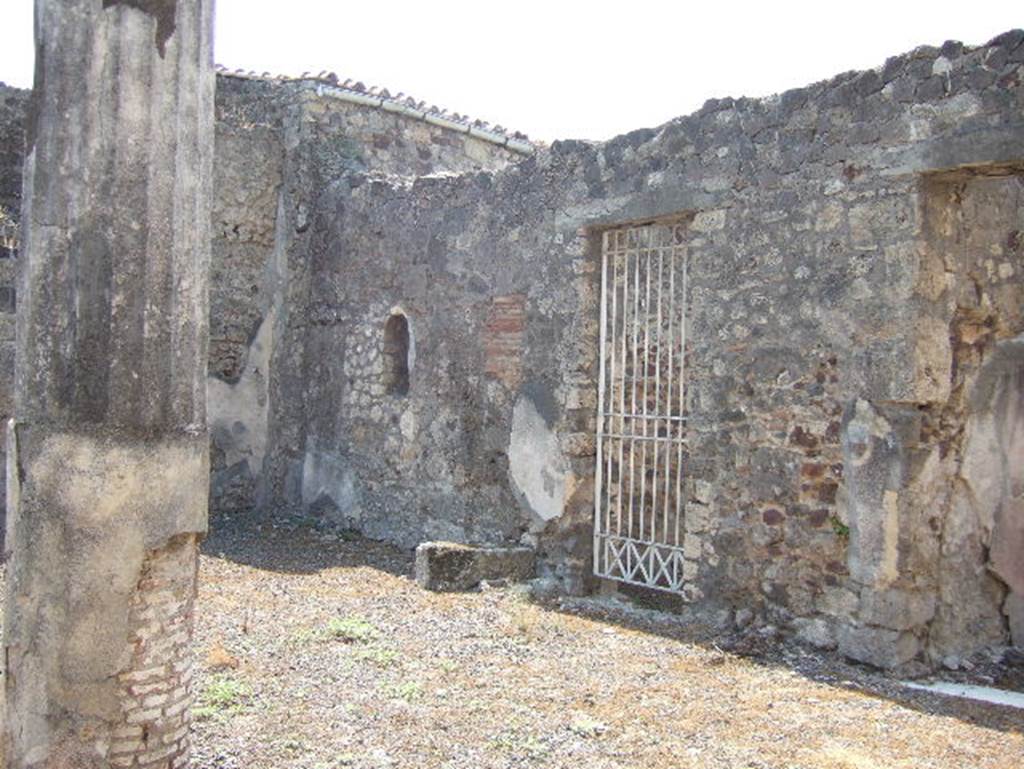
827 367
853 381
969 512
13 108
279 144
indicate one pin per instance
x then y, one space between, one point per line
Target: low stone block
877 646
896 609
449 566
817 632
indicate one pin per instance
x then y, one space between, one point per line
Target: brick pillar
107 455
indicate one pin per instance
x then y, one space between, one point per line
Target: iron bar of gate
668 397
620 239
657 395
646 379
682 405
632 379
611 376
598 469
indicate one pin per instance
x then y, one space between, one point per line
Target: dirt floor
318 653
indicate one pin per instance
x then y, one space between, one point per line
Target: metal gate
641 425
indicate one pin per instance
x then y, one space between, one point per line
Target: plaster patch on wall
874 459
536 465
409 425
327 476
993 463
888 569
238 412
105 484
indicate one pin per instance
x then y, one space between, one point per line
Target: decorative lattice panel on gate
641 425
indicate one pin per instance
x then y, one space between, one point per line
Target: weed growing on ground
377 655
222 697
519 745
527 621
293 745
304 636
408 691
586 726
352 629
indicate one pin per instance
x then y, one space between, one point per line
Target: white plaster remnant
888 569
941 66
708 221
536 465
326 475
970 692
409 425
239 410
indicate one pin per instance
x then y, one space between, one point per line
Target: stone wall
843 238
13 108
278 143
853 356
277 140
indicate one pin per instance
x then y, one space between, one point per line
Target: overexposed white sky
564 68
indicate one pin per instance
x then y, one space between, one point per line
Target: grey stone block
877 646
896 609
817 632
449 566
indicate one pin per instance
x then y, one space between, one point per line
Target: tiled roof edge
357 93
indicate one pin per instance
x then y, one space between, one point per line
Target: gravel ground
320 653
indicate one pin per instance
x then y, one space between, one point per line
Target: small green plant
408 691
222 697
840 528
377 655
449 665
585 726
293 745
521 745
304 636
351 629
